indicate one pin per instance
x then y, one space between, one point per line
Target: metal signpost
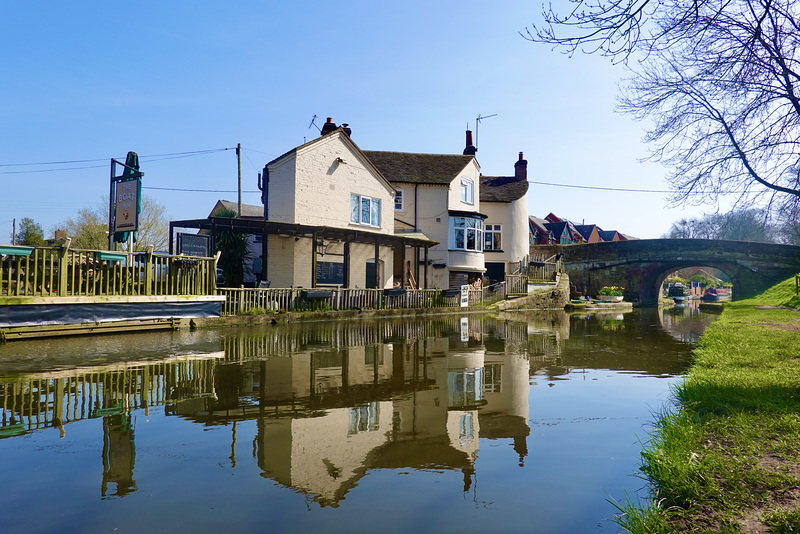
124 201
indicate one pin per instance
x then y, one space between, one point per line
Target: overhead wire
149 158
199 190
600 188
179 155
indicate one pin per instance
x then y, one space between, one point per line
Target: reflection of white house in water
460 395
324 416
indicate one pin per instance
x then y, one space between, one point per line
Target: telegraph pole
14 231
239 163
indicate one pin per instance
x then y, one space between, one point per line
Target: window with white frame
467 191
492 234
466 233
398 200
365 210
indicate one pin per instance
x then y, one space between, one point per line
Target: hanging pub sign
126 216
124 200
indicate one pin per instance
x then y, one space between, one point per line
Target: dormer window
467 191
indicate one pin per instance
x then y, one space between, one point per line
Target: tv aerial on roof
313 123
478 120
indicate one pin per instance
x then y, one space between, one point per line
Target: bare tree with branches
719 79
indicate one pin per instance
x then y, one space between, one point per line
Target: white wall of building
313 185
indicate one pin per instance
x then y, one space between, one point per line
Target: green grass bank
726 456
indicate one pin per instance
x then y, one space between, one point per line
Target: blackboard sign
330 273
194 245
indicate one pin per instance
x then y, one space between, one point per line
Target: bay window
466 233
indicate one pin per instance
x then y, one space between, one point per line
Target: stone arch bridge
642 265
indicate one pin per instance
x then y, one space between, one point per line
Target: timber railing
517 284
544 269
250 300
66 272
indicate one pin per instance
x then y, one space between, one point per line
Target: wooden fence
63 272
66 272
544 269
244 300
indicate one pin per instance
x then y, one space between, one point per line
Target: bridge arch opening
696 278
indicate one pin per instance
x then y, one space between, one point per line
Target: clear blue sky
93 80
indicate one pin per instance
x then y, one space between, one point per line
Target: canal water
518 422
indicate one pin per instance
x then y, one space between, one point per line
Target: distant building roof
248 210
586 230
611 235
437 169
502 188
558 228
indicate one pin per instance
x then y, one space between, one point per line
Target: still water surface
522 422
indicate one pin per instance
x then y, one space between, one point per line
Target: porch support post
346 262
377 264
314 259
425 268
416 268
403 273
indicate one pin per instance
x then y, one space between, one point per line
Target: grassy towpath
726 458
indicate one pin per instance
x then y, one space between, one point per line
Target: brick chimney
328 127
521 169
470 148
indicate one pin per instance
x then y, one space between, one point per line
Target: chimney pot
470 148
328 127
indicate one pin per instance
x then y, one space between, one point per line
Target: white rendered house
438 195
329 184
504 199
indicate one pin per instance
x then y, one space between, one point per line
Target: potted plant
611 294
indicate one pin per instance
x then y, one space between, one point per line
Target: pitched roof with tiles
559 229
248 210
434 169
609 235
502 188
586 230
536 222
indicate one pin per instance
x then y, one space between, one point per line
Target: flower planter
610 298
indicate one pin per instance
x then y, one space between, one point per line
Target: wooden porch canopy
254 226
